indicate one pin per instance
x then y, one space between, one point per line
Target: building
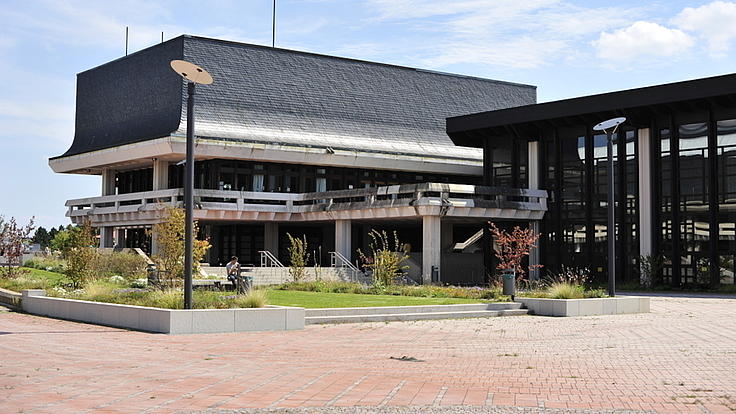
298 143
676 176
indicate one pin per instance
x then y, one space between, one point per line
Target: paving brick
679 358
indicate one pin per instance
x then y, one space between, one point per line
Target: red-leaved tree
512 247
13 241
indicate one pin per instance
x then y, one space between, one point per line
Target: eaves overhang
638 105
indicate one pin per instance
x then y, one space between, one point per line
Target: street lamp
610 127
194 75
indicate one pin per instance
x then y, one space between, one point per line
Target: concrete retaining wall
585 307
169 321
10 299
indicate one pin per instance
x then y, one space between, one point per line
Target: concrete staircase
411 313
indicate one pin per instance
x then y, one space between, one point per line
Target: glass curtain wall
693 203
576 225
572 201
628 208
667 241
697 201
726 219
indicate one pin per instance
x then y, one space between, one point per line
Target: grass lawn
33 279
351 300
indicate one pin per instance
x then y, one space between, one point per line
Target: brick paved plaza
679 358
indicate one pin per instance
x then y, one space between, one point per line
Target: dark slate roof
268 95
637 105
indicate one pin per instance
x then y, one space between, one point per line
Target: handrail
472 239
395 195
269 260
336 257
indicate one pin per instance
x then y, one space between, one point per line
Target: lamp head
611 123
191 72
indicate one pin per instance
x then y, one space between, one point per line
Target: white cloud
713 22
508 33
99 24
642 39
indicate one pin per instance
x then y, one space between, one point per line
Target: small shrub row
427 291
49 263
102 265
167 299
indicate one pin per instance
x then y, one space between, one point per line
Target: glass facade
575 232
293 178
695 199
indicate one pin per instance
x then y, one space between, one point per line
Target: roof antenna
126 40
273 26
162 37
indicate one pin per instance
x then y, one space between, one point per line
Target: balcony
398 201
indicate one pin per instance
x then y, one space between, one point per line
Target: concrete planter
168 321
585 307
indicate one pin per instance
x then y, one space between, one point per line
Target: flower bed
169 321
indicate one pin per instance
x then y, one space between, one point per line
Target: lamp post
193 75
610 127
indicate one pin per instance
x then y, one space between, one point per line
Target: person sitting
233 270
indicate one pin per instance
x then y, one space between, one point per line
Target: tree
80 253
512 247
13 242
52 234
387 258
62 241
169 236
42 237
298 257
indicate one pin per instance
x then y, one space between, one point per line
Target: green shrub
253 299
386 258
129 266
426 291
298 257
49 263
565 290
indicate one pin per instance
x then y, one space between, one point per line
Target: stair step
385 310
311 320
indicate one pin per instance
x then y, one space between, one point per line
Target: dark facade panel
132 99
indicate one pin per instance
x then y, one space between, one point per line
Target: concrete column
106 236
271 237
534 256
431 250
533 165
343 238
646 192
154 243
160 174
447 237
108 181
533 171
120 239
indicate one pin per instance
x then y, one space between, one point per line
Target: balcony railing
416 195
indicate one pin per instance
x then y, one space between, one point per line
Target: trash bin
509 283
248 282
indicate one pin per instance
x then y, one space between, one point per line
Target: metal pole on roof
273 25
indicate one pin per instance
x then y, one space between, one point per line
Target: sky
566 48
